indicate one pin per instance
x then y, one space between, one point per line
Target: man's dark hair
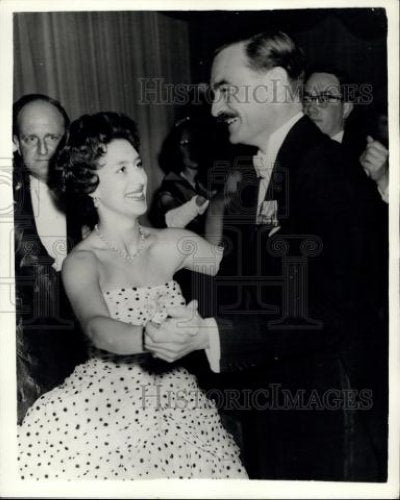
29 98
269 50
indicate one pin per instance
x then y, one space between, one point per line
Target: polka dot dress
114 419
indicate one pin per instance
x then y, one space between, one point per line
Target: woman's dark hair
171 158
85 143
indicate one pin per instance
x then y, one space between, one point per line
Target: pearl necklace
119 251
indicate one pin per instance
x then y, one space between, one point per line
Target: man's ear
278 73
347 109
278 79
16 144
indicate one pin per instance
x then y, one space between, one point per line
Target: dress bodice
138 305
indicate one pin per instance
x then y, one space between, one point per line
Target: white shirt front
50 221
264 162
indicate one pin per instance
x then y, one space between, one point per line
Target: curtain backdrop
93 61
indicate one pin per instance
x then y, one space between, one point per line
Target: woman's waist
101 355
143 361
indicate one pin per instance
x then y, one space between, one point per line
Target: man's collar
339 136
38 184
275 141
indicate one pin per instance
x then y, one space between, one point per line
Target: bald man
48 343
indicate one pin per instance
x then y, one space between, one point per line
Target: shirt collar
37 184
276 138
338 137
275 142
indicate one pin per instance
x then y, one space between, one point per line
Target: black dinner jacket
49 340
330 218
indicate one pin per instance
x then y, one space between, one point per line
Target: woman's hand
179 335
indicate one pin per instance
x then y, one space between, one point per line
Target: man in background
48 344
327 102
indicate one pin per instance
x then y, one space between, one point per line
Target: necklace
119 251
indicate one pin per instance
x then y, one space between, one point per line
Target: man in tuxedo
327 102
48 344
292 318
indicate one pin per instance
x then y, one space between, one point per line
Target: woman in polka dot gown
115 417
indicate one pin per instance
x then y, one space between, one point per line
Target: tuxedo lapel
303 136
29 247
286 183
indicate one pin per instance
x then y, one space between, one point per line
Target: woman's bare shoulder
82 258
177 243
171 234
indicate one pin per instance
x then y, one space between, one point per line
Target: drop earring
95 201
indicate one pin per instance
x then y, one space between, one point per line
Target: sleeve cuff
219 253
384 192
213 352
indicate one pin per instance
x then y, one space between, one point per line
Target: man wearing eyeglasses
326 102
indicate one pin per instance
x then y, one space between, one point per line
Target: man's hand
374 160
183 332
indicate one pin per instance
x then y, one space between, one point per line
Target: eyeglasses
321 99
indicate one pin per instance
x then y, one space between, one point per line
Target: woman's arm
182 215
80 278
215 220
196 253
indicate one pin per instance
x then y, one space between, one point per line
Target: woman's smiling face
122 180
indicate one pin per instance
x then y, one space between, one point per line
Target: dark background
352 39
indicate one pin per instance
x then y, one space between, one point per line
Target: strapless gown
116 418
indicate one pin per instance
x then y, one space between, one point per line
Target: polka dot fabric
113 419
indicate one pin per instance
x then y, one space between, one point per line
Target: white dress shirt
338 137
50 222
263 164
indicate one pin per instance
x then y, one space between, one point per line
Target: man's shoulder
306 148
305 138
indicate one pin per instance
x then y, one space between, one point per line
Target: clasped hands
182 332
